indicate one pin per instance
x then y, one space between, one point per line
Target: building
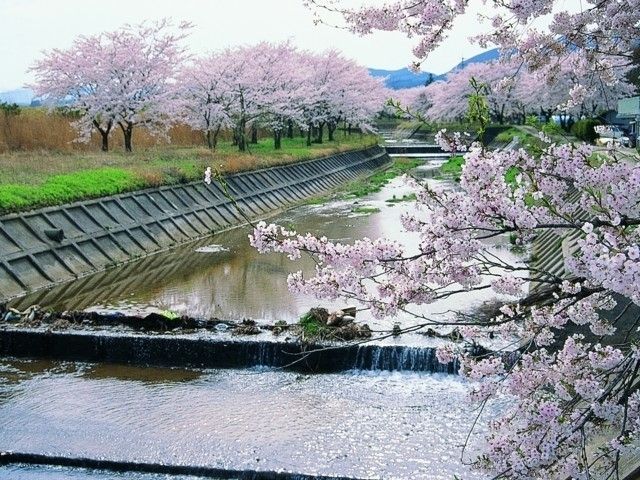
629 109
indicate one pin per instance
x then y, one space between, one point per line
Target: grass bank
36 179
373 184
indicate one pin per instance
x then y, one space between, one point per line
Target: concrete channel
44 247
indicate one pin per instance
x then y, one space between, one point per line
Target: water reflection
228 279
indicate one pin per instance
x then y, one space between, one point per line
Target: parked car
611 134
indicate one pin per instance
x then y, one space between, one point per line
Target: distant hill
483 57
405 78
21 96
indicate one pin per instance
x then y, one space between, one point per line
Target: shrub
532 121
552 128
504 137
10 108
584 129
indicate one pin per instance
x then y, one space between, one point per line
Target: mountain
21 96
405 78
483 57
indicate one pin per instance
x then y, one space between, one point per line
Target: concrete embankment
52 245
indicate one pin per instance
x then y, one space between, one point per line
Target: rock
55 234
339 318
155 321
364 331
350 311
246 327
334 319
60 324
351 331
396 330
348 319
11 317
279 327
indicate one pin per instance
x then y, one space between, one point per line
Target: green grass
311 327
365 210
504 137
59 189
37 179
405 198
373 184
453 166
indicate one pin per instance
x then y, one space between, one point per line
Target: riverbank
51 245
37 179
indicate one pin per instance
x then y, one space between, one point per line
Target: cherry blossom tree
260 83
207 103
343 91
571 380
74 79
448 99
125 77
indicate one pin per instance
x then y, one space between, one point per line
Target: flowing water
358 424
354 424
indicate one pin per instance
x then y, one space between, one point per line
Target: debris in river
165 322
246 327
318 325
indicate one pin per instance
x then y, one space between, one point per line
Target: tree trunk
127 131
254 134
242 127
349 129
105 141
309 136
215 137
290 129
331 128
320 131
104 133
241 132
277 139
209 138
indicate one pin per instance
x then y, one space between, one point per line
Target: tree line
143 75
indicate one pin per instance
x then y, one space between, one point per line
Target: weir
129 468
212 352
44 247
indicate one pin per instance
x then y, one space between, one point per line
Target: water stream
354 424
223 276
359 424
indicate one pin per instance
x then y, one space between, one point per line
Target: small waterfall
187 351
401 358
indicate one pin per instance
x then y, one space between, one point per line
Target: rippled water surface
360 425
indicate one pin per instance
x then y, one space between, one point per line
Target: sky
28 27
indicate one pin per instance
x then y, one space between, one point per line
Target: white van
611 134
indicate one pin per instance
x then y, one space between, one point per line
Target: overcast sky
27 27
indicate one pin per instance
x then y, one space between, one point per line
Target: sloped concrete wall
109 231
